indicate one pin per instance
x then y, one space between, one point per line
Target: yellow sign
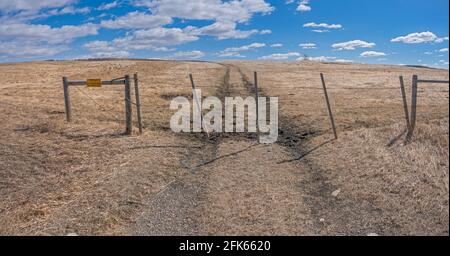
94 83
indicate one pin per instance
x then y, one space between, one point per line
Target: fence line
410 114
99 83
413 119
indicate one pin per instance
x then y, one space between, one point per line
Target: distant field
85 177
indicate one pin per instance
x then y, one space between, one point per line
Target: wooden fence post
405 103
413 107
257 100
128 109
329 106
67 100
138 102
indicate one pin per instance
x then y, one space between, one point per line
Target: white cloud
276 45
442 39
154 38
108 6
28 50
104 49
45 33
235 11
69 10
320 30
317 59
222 30
308 46
280 56
245 47
102 55
231 54
352 45
325 59
188 55
304 6
137 20
20 38
322 25
235 51
418 38
225 14
343 61
443 50
23 11
18 5
119 48
147 26
372 54
99 46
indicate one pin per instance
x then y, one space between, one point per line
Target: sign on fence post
94 83
99 83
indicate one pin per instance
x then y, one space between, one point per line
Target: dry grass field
86 177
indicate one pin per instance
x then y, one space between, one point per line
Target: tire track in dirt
170 211
249 193
234 186
330 215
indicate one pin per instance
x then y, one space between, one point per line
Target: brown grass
85 177
406 186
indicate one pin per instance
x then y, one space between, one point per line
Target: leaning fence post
413 107
197 100
138 102
128 109
405 103
257 100
329 106
67 100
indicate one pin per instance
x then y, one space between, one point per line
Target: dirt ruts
235 186
331 215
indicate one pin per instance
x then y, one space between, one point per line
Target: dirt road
236 186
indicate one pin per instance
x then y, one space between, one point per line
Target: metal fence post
197 100
67 100
128 109
138 102
413 107
257 100
329 106
405 103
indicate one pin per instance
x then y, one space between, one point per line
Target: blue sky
385 31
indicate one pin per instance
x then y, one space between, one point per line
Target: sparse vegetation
85 177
